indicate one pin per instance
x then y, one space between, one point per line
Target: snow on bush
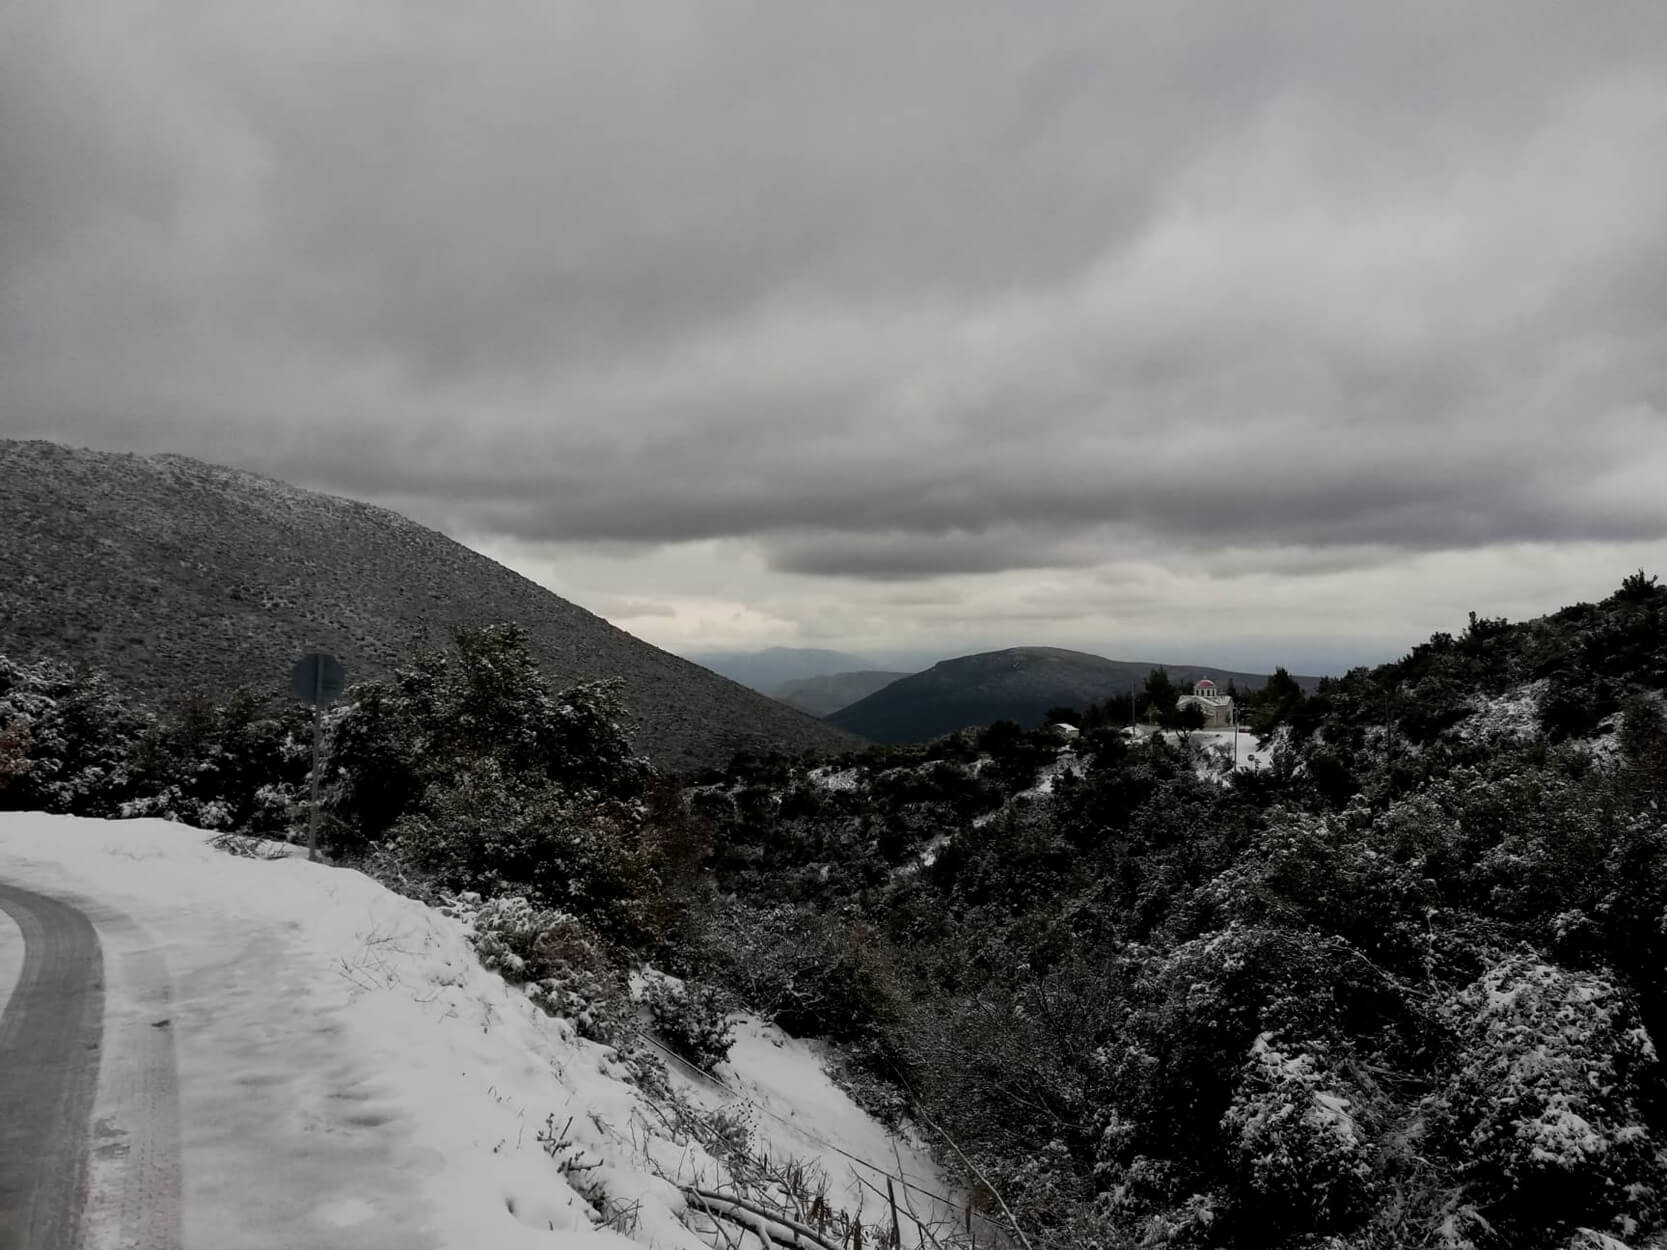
560 961
692 1020
1293 1136
69 740
1513 714
1544 1108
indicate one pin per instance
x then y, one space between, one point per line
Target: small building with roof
1217 707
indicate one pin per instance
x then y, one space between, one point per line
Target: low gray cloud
891 294
905 556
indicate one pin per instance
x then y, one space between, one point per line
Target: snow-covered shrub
72 741
1295 1140
507 934
814 975
445 713
692 1020
1043 1190
169 803
493 831
563 964
236 764
1546 1108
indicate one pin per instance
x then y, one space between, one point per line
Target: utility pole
316 679
318 742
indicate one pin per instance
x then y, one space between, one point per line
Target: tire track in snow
50 1036
89 1103
134 1192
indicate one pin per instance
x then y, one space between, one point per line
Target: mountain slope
174 575
1020 683
823 696
770 668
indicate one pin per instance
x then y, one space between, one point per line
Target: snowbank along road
349 1077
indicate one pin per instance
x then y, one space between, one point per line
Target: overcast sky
1222 332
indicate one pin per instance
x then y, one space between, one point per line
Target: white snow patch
835 779
1561 1138
797 1112
1511 714
1066 761
1218 754
934 847
1327 1109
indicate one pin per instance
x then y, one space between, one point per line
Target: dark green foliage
813 974
406 741
1399 988
240 764
1015 755
1157 703
1277 703
1190 719
486 830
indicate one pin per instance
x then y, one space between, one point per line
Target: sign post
317 679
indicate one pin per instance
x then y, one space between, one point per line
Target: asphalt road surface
79 1163
50 1034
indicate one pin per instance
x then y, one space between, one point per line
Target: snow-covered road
285 1129
50 1032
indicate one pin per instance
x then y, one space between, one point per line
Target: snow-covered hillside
349 1075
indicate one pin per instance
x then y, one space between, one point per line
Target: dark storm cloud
895 291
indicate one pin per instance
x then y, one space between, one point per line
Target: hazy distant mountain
176 575
823 696
772 667
1020 683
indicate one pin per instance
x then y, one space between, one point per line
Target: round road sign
317 678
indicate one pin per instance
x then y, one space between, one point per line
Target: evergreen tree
1275 704
1158 698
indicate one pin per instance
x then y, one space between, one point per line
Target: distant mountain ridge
823 696
1018 683
175 575
770 668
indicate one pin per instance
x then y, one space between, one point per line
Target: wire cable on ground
901 1178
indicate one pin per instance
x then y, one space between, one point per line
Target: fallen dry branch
770 1227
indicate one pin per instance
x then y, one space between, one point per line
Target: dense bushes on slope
1399 988
1403 986
78 747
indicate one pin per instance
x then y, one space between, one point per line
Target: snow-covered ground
349 1075
1218 745
1217 751
1066 761
796 1112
